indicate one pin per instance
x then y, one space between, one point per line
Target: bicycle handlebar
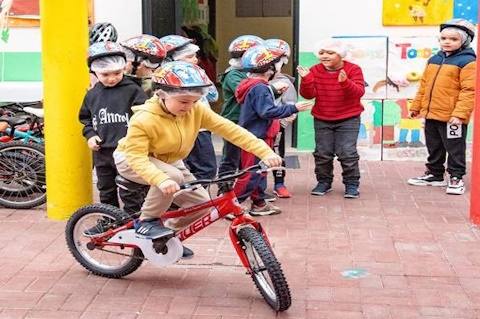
259 168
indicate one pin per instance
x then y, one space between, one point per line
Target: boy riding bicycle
161 134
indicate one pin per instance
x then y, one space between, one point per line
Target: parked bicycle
102 238
22 175
22 121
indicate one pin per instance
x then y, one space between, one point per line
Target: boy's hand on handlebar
272 160
168 187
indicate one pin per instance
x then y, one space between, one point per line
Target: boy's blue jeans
337 138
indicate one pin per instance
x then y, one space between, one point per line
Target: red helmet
241 44
147 46
180 75
173 42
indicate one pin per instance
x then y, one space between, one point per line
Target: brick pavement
397 252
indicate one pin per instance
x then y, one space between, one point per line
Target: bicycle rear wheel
266 271
108 261
22 175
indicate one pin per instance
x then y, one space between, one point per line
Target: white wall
125 15
22 40
349 18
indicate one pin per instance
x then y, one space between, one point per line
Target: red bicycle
115 251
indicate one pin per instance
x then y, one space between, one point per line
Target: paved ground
397 252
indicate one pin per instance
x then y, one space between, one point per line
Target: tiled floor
398 251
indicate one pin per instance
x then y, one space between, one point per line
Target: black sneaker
187 253
428 179
152 229
98 229
351 191
321 189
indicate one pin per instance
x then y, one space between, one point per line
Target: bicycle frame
221 206
26 136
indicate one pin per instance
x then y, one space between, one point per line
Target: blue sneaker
152 229
321 189
351 191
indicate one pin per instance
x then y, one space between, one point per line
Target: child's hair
105 56
463 27
329 44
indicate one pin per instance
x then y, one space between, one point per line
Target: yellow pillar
64 27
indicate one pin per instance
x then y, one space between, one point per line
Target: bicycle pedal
160 244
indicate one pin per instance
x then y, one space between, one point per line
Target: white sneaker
455 186
427 179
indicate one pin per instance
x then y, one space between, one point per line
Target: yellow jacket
447 87
169 138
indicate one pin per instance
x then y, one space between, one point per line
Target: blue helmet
103 49
260 58
279 44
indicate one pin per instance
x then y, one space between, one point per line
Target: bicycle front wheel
105 261
265 269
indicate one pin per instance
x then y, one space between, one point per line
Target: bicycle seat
124 183
13 121
34 111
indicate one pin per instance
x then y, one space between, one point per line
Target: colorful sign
416 12
407 58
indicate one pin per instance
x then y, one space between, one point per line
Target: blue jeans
202 161
337 138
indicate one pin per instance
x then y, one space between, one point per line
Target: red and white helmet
146 46
173 42
260 58
181 77
241 44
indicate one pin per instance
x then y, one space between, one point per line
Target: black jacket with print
105 111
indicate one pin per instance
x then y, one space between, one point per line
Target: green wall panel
20 66
305 134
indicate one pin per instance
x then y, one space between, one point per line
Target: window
263 8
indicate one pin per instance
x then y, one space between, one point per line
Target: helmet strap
272 68
135 65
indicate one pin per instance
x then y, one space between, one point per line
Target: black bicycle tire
136 258
283 300
40 182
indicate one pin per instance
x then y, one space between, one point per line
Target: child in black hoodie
104 113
